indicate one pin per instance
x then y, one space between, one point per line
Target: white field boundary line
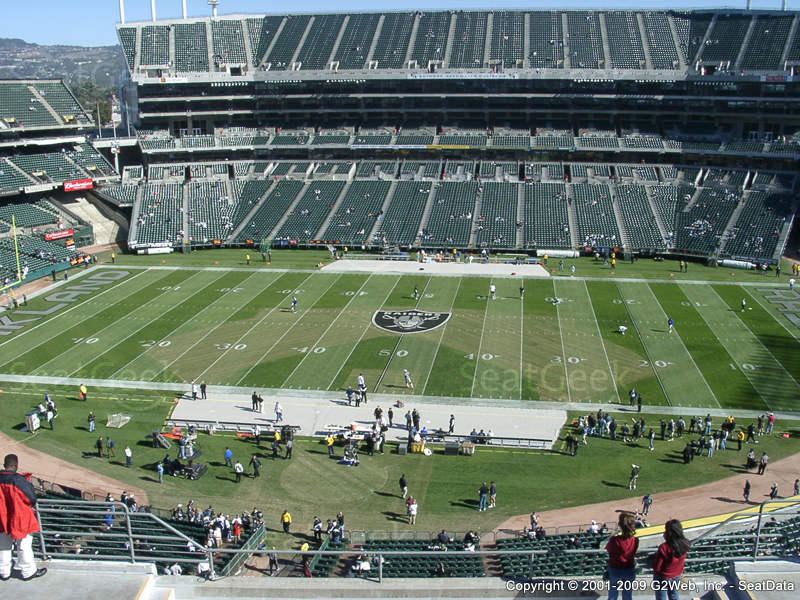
70 309
521 337
215 327
489 299
441 337
285 333
768 351
766 310
399 341
602 343
97 334
363 333
644 345
563 349
722 343
324 333
246 333
141 354
685 349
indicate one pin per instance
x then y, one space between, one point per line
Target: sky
91 22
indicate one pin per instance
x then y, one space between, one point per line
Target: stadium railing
762 532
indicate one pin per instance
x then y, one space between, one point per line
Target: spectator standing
128 455
403 485
746 491
17 521
274 566
228 457
647 502
286 521
329 441
99 445
194 390
255 462
238 469
160 470
110 447
91 421
621 559
668 561
289 445
492 494
762 463
82 391
203 390
278 412
483 493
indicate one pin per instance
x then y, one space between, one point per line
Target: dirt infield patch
55 470
706 500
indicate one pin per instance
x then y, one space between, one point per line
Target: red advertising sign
59 235
77 185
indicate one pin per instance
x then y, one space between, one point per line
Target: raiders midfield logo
408 321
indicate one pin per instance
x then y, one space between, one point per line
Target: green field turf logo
408 321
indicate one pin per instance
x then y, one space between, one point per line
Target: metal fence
770 530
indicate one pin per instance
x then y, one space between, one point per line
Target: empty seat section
508 39
462 140
53 166
546 41
497 224
373 140
725 39
640 224
154 46
311 211
598 141
700 229
401 221
691 28
289 139
585 40
455 169
261 32
490 170
519 141
91 161
124 195
765 48
338 139
356 40
358 212
210 212
419 168
286 44
469 40
269 213
450 221
545 219
624 40
371 168
10 178
127 37
414 139
663 54
319 41
759 225
191 47
27 214
228 39
455 562
554 141
597 225
20 108
392 45
431 41
160 215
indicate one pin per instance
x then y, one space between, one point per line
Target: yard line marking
363 333
97 333
141 354
722 341
644 346
489 298
689 354
441 337
296 321
775 358
213 329
602 343
752 295
399 340
324 333
563 350
246 333
70 309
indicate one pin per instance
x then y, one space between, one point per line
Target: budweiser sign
78 185
59 235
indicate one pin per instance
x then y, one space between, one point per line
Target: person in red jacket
17 520
621 559
668 561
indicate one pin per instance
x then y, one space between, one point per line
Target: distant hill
22 60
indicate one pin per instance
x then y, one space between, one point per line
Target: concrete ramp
105 230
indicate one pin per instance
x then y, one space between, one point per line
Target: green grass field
233 327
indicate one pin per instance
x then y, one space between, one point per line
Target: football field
560 342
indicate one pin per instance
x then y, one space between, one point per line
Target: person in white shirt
622 329
492 291
175 569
